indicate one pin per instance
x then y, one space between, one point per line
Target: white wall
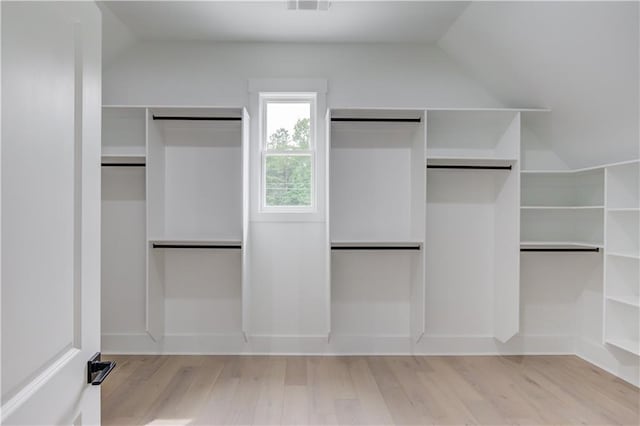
217 74
156 73
578 58
553 309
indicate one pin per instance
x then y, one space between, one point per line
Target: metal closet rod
467 167
377 120
375 248
549 250
123 164
197 246
192 118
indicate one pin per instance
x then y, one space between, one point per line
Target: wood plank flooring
260 390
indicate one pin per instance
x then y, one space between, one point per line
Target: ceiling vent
308 4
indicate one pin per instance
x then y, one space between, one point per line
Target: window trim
288 97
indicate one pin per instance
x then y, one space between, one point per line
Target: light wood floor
210 390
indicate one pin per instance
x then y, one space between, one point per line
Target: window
288 152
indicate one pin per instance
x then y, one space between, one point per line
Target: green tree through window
288 177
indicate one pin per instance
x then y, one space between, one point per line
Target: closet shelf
558 246
485 163
123 160
628 345
624 301
195 118
376 119
628 255
562 207
196 243
624 209
376 245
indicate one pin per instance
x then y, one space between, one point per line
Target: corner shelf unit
594 209
191 163
622 260
560 208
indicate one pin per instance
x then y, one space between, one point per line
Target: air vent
308 4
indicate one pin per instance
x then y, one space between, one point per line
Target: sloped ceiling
578 58
270 21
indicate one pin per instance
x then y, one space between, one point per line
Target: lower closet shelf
376 245
196 244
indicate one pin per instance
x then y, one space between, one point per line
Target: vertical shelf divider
246 243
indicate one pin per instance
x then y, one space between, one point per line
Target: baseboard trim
338 344
620 363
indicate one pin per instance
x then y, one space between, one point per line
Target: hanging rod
376 120
191 118
197 246
123 164
559 249
417 247
469 167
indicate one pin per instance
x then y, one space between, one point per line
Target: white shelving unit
196 221
377 237
435 189
188 166
622 260
563 208
472 215
123 218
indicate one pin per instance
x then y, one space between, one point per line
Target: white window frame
288 97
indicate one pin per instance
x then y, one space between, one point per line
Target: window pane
288 180
288 126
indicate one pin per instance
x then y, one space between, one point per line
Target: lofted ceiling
578 58
581 59
272 21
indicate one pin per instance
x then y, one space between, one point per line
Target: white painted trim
427 108
239 108
257 85
340 344
322 88
598 355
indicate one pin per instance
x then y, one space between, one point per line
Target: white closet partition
190 205
123 220
472 245
155 300
377 189
246 281
195 245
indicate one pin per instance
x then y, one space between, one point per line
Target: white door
50 206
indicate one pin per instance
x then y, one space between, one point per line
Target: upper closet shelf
126 158
497 109
628 254
562 207
582 170
437 162
624 209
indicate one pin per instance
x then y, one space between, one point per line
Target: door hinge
98 370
